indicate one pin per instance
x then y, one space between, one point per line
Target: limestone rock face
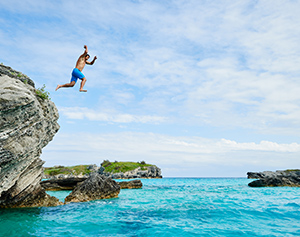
27 124
93 188
275 179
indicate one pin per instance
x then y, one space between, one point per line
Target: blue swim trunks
76 73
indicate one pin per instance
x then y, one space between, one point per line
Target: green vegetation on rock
116 167
291 170
75 170
112 167
42 93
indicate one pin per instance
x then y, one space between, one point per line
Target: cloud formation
175 155
89 114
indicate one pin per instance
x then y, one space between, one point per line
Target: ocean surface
167 207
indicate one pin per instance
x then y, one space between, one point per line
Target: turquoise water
167 207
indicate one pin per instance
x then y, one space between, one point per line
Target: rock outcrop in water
62 184
27 124
93 188
150 172
133 184
275 179
72 182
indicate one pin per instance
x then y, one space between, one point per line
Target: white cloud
198 156
93 115
262 146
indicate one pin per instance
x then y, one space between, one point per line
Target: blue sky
199 88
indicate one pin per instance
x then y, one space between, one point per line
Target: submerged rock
93 188
27 124
131 184
275 179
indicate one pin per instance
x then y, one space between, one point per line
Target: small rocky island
114 170
68 177
278 178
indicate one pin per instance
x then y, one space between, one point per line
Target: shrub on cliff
75 170
117 167
42 93
106 163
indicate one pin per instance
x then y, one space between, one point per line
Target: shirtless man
77 71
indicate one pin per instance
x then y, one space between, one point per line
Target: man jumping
77 71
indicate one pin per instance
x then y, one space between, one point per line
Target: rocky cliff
275 179
27 124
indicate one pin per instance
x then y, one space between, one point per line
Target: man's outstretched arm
92 62
85 51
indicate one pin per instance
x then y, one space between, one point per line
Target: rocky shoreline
28 123
290 178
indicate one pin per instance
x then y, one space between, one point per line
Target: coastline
169 206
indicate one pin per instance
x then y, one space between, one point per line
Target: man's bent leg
71 84
83 80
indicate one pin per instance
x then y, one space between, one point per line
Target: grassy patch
291 170
42 93
75 170
116 167
112 167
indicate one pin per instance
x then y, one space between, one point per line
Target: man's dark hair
87 55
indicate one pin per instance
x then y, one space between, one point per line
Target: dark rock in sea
61 184
27 124
72 182
131 184
275 179
93 188
259 175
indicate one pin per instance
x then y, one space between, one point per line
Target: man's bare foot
83 90
58 86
